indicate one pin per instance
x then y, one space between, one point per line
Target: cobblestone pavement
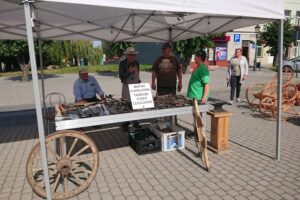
247 171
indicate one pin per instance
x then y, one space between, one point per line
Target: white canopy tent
136 21
128 20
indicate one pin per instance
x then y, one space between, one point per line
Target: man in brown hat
129 73
86 87
166 69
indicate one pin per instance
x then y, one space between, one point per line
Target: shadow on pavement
252 149
295 121
18 125
109 137
19 78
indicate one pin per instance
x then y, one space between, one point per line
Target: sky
97 43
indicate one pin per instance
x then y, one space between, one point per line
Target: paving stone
127 191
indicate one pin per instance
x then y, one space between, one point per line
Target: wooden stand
219 130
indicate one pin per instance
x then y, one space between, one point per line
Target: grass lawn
74 70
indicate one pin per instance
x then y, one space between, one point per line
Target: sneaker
238 100
230 102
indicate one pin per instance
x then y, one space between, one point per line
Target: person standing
165 71
199 82
129 71
86 88
236 73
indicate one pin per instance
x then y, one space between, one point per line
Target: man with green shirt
199 81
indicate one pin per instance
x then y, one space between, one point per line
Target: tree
186 48
269 37
63 52
17 49
112 49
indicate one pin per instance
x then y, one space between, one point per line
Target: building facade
248 38
292 12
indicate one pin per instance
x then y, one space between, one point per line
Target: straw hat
83 70
130 51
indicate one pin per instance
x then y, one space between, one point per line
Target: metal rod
37 98
42 73
279 89
255 53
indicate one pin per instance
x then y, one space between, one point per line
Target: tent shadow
109 137
18 126
19 78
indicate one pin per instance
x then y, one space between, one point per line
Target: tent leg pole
279 89
37 96
42 73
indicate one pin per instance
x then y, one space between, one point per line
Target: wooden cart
73 157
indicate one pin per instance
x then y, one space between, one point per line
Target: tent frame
27 10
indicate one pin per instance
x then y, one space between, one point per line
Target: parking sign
237 37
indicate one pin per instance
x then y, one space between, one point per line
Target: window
259 52
297 19
287 14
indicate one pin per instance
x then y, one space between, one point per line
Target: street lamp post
257 30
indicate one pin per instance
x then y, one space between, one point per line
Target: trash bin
258 65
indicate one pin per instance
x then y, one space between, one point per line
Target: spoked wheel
268 107
253 95
73 162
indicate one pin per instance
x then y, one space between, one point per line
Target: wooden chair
255 93
52 101
268 101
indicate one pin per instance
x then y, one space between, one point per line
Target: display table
124 117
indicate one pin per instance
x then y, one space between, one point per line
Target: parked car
292 64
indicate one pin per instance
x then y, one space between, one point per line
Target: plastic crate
144 141
172 140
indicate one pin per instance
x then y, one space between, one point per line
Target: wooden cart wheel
268 107
73 162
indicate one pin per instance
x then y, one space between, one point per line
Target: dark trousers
166 90
235 84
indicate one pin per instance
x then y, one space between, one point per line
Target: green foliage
112 49
114 68
62 52
14 48
186 48
269 36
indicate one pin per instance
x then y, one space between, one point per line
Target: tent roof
134 20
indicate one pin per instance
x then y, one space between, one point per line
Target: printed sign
237 37
141 96
237 41
221 53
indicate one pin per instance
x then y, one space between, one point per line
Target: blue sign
237 37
